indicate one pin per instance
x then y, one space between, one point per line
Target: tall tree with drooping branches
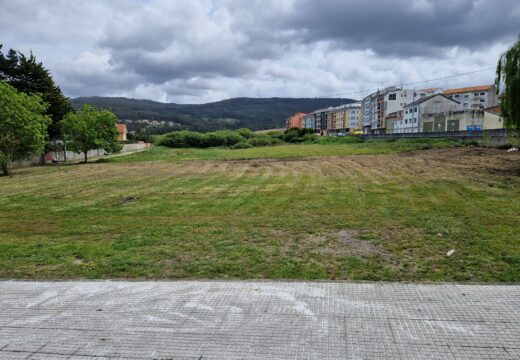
508 85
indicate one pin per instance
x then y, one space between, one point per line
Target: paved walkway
260 320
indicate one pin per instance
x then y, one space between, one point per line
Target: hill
253 113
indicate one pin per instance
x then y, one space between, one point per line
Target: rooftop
467 89
421 100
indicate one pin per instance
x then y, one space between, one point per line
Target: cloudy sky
194 51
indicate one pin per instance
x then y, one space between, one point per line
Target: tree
27 75
508 73
89 129
23 128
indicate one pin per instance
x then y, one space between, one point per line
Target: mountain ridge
233 113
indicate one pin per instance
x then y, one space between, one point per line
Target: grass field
373 211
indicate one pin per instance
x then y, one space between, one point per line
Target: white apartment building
378 105
397 100
474 97
431 105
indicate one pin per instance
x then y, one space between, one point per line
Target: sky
197 51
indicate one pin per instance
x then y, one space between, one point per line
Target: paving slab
257 320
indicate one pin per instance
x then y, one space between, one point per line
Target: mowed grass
288 150
162 214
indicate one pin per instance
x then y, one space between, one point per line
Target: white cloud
192 51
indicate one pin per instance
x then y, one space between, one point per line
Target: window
457 95
466 96
482 100
475 94
482 93
414 120
465 105
406 121
392 96
415 110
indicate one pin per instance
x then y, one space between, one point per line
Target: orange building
121 128
295 120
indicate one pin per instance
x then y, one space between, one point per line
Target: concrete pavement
257 320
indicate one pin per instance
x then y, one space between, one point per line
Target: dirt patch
357 246
340 244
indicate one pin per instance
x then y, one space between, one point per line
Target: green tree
89 129
508 74
23 128
27 75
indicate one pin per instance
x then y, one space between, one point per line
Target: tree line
34 113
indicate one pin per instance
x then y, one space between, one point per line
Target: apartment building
474 97
426 106
378 105
309 121
295 120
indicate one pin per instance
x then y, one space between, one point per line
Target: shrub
260 141
212 140
292 135
179 139
245 133
275 134
310 138
231 137
242 145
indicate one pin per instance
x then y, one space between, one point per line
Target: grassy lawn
288 151
370 211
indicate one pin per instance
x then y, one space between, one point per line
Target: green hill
253 113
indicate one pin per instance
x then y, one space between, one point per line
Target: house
295 120
354 118
374 111
474 97
309 121
392 119
123 131
395 101
430 106
461 120
378 105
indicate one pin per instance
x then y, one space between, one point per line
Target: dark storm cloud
202 50
404 27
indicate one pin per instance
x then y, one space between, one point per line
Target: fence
70 156
496 137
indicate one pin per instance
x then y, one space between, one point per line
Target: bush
264 140
260 141
179 139
310 138
275 134
213 139
245 133
242 145
292 135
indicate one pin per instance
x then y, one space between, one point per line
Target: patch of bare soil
340 244
356 246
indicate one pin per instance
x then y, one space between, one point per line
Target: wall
497 137
72 156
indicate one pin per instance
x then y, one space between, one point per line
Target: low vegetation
389 214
